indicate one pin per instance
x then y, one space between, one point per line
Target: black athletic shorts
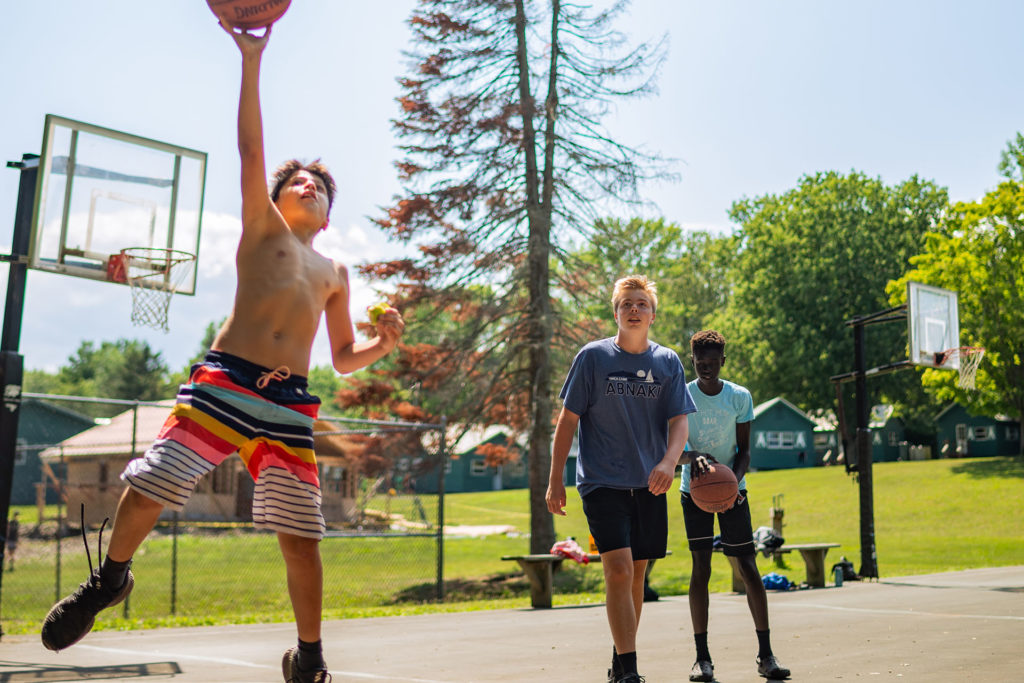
734 523
628 518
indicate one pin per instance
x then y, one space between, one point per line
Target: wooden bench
540 569
814 562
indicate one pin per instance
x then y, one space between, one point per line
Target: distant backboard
934 325
102 190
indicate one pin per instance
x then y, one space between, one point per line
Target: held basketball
716 490
247 14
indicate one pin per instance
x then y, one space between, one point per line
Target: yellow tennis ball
377 310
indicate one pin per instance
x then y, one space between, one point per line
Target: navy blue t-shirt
624 401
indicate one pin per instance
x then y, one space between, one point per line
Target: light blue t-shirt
624 401
713 428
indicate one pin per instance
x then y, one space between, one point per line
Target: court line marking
919 613
241 662
165 654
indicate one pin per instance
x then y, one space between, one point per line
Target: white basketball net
154 275
970 360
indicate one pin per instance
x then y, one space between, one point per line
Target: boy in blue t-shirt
720 432
628 398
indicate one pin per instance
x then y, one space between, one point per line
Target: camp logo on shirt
640 384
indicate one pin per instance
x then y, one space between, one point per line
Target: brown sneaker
293 674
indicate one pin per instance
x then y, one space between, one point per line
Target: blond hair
634 283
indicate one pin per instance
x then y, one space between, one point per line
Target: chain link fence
207 564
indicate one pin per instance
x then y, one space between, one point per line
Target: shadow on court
23 672
959 626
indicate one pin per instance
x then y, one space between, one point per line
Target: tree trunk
542 527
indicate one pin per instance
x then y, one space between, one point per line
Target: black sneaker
770 668
293 674
703 670
72 618
629 678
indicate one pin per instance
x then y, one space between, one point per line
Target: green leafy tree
506 157
811 259
180 377
978 252
124 369
691 269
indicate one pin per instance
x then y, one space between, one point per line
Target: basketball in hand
715 490
247 14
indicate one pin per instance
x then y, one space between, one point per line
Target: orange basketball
716 490
246 14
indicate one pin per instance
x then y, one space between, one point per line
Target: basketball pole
11 362
865 480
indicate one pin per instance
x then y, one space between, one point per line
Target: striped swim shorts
231 405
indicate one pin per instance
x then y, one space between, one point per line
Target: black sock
616 666
311 656
113 573
627 660
703 654
764 644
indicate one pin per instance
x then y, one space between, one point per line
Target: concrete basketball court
961 626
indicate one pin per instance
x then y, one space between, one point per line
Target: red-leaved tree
505 162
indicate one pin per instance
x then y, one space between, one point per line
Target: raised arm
256 202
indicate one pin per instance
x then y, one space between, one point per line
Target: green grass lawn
931 516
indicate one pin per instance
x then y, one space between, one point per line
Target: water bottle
838 573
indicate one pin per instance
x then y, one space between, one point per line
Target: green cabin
40 425
961 434
781 437
888 435
467 470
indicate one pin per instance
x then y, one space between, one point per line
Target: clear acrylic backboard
102 190
934 326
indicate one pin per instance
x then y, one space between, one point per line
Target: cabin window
983 433
781 439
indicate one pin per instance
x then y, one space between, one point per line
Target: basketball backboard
102 190
934 325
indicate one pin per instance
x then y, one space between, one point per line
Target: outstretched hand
248 43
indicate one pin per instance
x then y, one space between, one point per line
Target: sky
753 96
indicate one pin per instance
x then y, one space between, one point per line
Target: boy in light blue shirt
720 432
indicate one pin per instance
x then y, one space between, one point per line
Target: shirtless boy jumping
250 394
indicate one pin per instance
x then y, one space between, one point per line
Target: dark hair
289 168
707 339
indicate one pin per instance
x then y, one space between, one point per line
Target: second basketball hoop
966 359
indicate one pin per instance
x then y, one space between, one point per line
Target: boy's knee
298 547
618 567
140 501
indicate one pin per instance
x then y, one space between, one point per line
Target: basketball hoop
154 275
969 361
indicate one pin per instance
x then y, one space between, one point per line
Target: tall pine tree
505 159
